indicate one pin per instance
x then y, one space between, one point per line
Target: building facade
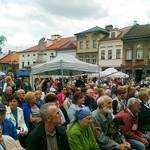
111 48
88 43
136 52
47 50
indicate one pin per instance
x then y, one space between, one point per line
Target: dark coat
36 140
144 117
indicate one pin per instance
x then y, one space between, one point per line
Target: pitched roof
62 43
92 30
138 31
123 32
56 44
12 56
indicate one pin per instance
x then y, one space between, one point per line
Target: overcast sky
25 22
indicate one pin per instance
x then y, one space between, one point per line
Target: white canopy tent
111 73
64 65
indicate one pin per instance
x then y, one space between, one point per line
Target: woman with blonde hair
31 111
8 82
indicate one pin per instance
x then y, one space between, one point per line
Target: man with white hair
102 117
130 130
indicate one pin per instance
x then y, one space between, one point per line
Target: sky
25 22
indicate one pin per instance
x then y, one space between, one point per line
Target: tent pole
62 73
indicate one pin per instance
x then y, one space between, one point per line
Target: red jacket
129 130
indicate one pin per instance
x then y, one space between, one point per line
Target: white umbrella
108 72
118 75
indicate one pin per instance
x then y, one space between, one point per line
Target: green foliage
2 40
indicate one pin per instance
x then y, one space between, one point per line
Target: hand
144 141
124 146
22 133
128 145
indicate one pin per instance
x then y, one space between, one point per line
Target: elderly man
89 100
102 117
20 95
6 95
130 130
48 135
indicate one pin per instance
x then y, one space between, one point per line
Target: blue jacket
27 111
9 129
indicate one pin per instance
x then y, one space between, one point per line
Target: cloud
76 9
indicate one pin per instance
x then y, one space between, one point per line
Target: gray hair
132 101
47 110
101 100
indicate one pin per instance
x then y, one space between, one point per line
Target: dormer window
112 35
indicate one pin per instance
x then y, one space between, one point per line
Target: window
94 59
102 54
22 64
87 44
118 53
139 53
45 53
87 59
81 45
109 54
112 34
28 55
94 43
149 53
129 54
2 68
22 55
33 54
28 63
81 58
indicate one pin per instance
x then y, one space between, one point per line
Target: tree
2 40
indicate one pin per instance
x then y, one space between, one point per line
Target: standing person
118 103
89 100
61 96
48 135
9 82
80 134
25 84
130 130
102 117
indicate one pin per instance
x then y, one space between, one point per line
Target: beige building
87 44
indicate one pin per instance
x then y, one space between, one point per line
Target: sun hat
83 112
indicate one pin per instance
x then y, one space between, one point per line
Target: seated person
130 130
15 114
8 143
102 117
52 98
80 134
6 126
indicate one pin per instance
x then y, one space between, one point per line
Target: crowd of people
75 114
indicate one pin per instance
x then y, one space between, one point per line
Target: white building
111 48
51 46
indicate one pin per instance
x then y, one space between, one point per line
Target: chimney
135 22
109 27
55 37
